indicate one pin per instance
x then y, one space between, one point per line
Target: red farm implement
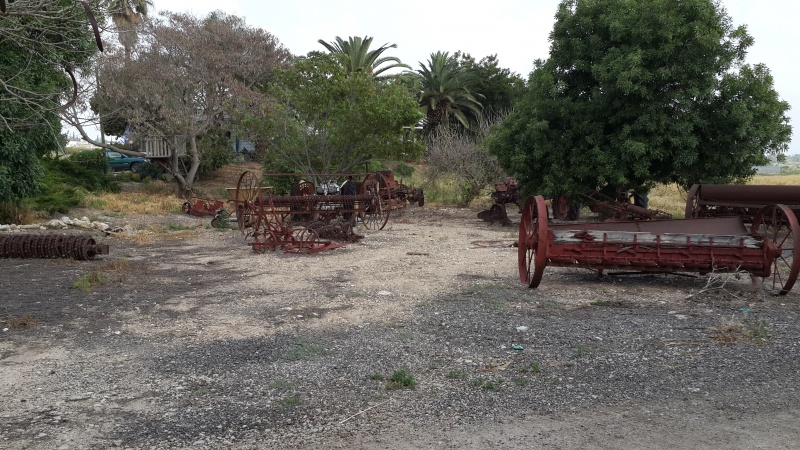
704 245
718 200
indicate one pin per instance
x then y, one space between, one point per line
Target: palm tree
355 55
127 15
446 90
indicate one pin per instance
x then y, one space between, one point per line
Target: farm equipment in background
400 194
202 206
720 200
703 245
504 193
626 206
298 223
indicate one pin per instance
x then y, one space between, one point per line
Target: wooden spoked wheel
533 243
248 190
376 211
693 203
778 225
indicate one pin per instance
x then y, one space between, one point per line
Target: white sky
515 30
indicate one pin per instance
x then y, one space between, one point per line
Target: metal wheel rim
247 191
532 244
785 268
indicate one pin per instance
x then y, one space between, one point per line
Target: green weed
290 401
304 350
401 379
89 281
532 367
456 374
376 377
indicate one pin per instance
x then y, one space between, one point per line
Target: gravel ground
193 341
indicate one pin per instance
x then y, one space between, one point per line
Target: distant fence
158 148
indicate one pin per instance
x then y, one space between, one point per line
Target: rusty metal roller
80 247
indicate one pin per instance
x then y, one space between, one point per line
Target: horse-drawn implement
702 245
504 193
298 223
718 200
626 206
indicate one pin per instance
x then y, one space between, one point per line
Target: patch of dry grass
728 332
24 321
669 198
116 265
136 202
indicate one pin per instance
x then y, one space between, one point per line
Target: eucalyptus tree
355 55
447 90
638 92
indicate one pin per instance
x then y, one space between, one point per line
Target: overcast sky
515 30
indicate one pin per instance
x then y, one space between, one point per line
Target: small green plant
521 381
290 401
599 303
280 385
177 227
432 366
532 367
490 385
453 374
304 350
477 382
406 335
90 280
401 379
755 328
581 351
376 377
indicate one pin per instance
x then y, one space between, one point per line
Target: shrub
91 159
403 170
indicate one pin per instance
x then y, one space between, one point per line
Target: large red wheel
533 243
247 191
778 224
692 203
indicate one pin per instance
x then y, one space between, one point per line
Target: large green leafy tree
639 92
355 55
325 119
448 91
40 42
500 87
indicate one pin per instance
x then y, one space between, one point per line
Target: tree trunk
185 182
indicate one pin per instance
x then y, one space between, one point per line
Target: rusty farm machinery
720 200
76 246
700 245
308 220
504 193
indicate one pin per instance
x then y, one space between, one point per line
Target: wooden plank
644 238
